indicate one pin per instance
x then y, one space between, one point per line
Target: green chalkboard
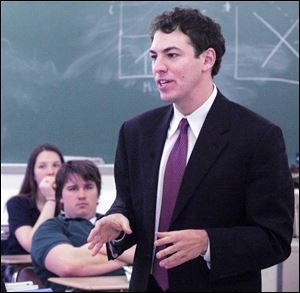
72 72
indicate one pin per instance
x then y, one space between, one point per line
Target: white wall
290 270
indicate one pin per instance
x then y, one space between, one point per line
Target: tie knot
183 125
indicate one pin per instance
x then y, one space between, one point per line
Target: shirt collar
195 119
92 220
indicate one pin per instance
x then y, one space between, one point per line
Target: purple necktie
172 180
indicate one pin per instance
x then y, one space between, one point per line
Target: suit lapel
153 144
211 141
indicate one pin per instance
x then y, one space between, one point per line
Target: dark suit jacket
237 186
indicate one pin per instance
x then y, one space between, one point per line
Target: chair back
27 273
3 288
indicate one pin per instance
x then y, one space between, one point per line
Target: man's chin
167 98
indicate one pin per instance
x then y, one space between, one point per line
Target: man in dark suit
232 213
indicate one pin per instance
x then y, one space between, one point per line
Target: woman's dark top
22 211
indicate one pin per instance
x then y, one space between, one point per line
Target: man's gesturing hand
106 229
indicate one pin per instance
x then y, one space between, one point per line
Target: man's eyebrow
152 52
166 50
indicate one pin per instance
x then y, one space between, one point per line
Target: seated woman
35 202
59 246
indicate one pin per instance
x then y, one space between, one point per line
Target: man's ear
209 57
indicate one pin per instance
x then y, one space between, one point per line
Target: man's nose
81 193
159 65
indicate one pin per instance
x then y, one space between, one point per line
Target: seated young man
59 246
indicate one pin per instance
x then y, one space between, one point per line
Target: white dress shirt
196 121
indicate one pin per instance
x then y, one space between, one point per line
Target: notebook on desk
39 290
27 286
20 286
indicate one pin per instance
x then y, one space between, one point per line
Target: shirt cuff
115 242
119 239
206 255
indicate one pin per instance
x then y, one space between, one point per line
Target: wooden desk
16 259
100 283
